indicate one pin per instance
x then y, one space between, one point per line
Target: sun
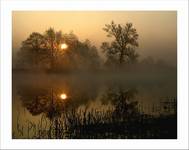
64 46
63 96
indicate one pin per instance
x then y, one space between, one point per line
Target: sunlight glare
64 46
63 96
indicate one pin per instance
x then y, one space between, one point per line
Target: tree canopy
122 49
44 51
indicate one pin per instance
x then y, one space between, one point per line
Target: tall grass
100 124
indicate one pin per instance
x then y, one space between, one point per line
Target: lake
39 98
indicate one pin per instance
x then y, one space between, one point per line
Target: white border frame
181 6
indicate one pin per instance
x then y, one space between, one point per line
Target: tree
79 56
87 55
122 48
32 50
45 50
53 40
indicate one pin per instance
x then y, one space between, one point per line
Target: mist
114 76
157 29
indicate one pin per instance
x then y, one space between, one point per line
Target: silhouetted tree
38 48
87 55
79 56
32 50
53 40
122 48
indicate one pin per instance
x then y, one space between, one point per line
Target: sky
157 29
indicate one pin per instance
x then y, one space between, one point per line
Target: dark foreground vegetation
118 122
100 125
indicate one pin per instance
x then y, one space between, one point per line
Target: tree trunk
121 57
52 56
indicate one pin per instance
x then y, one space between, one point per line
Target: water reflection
69 108
42 100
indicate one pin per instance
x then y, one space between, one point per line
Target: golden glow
151 27
64 46
63 96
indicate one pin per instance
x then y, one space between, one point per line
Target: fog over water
56 75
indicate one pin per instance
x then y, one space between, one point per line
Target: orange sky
157 29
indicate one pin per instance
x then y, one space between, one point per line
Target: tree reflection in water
122 120
42 100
